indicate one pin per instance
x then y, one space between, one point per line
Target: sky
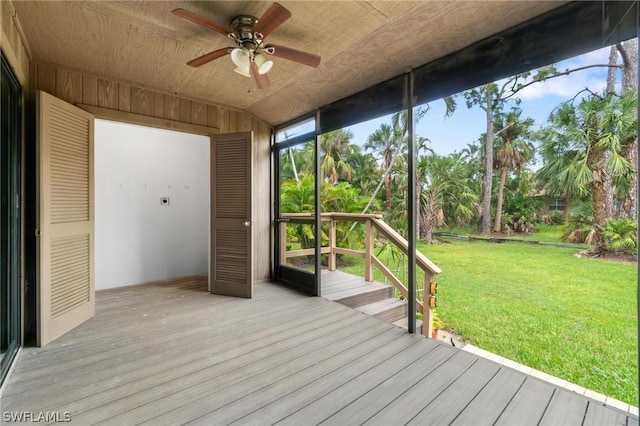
538 100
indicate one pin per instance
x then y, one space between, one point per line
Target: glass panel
10 118
543 131
297 179
299 246
296 210
300 128
5 308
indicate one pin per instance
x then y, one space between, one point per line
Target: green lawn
543 307
544 234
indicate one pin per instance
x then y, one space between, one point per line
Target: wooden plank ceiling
361 43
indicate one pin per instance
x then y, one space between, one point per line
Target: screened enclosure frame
549 38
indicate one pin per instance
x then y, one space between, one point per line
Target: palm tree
558 175
387 142
422 145
594 131
514 150
366 171
333 148
447 193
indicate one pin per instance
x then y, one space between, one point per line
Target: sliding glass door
10 138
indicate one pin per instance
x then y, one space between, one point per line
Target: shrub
580 230
556 217
518 223
621 235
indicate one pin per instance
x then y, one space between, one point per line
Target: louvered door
230 271
66 210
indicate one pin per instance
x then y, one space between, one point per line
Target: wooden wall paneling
124 97
224 120
233 121
89 90
69 86
142 101
147 120
185 110
245 123
171 107
107 94
46 79
198 113
212 116
158 105
14 47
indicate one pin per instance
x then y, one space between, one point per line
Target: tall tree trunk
431 217
629 52
488 169
596 162
293 165
418 210
503 180
611 89
612 70
567 208
386 173
388 188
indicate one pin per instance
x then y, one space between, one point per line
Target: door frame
12 178
308 282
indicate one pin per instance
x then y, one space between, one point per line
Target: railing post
332 244
283 243
368 251
427 312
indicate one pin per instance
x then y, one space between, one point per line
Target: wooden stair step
390 309
403 323
364 295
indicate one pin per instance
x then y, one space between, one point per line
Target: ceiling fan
248 33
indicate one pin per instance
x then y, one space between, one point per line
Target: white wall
138 240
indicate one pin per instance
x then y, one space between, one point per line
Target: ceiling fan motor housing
243 29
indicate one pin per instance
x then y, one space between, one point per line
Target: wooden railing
371 222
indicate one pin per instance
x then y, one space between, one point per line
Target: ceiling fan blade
293 55
262 80
271 19
190 16
208 57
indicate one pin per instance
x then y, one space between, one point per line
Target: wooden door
66 296
230 271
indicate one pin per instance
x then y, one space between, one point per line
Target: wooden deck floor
170 353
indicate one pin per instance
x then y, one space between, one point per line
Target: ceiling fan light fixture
264 64
242 70
240 57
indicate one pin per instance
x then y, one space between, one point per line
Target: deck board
171 353
529 402
356 408
128 378
598 414
460 394
275 382
378 363
492 399
322 407
565 408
